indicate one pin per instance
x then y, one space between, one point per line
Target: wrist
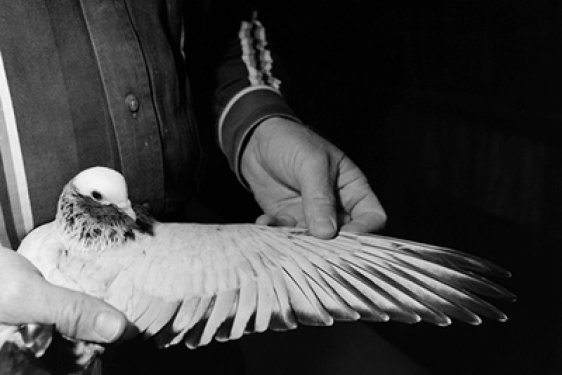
241 116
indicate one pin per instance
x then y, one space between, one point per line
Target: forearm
249 90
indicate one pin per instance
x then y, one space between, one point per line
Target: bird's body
193 283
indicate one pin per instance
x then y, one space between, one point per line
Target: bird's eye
96 195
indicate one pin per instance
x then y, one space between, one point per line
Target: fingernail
108 326
325 225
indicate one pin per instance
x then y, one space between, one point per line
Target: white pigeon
192 283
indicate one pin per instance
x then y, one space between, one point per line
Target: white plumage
195 283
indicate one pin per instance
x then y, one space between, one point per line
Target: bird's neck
88 226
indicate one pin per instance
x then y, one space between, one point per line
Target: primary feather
194 283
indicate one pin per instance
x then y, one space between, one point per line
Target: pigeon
186 283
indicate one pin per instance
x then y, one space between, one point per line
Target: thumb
78 315
319 202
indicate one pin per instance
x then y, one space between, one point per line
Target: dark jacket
115 83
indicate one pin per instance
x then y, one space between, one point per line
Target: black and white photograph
254 187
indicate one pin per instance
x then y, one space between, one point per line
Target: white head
106 186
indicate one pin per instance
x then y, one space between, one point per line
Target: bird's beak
128 209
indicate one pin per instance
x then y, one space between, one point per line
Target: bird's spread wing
193 283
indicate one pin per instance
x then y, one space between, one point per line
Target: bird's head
105 186
94 212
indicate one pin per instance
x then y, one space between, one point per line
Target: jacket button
132 102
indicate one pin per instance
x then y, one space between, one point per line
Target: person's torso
92 83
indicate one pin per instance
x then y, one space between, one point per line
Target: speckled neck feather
87 225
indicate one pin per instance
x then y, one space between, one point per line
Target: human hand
26 297
300 179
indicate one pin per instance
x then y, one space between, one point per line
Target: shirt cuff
242 114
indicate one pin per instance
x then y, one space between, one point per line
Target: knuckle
318 160
323 200
71 316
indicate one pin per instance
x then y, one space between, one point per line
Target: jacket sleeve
248 80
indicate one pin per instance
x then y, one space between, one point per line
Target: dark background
453 110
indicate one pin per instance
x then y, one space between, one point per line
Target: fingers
319 202
312 177
366 215
81 316
26 297
74 314
277 221
366 223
